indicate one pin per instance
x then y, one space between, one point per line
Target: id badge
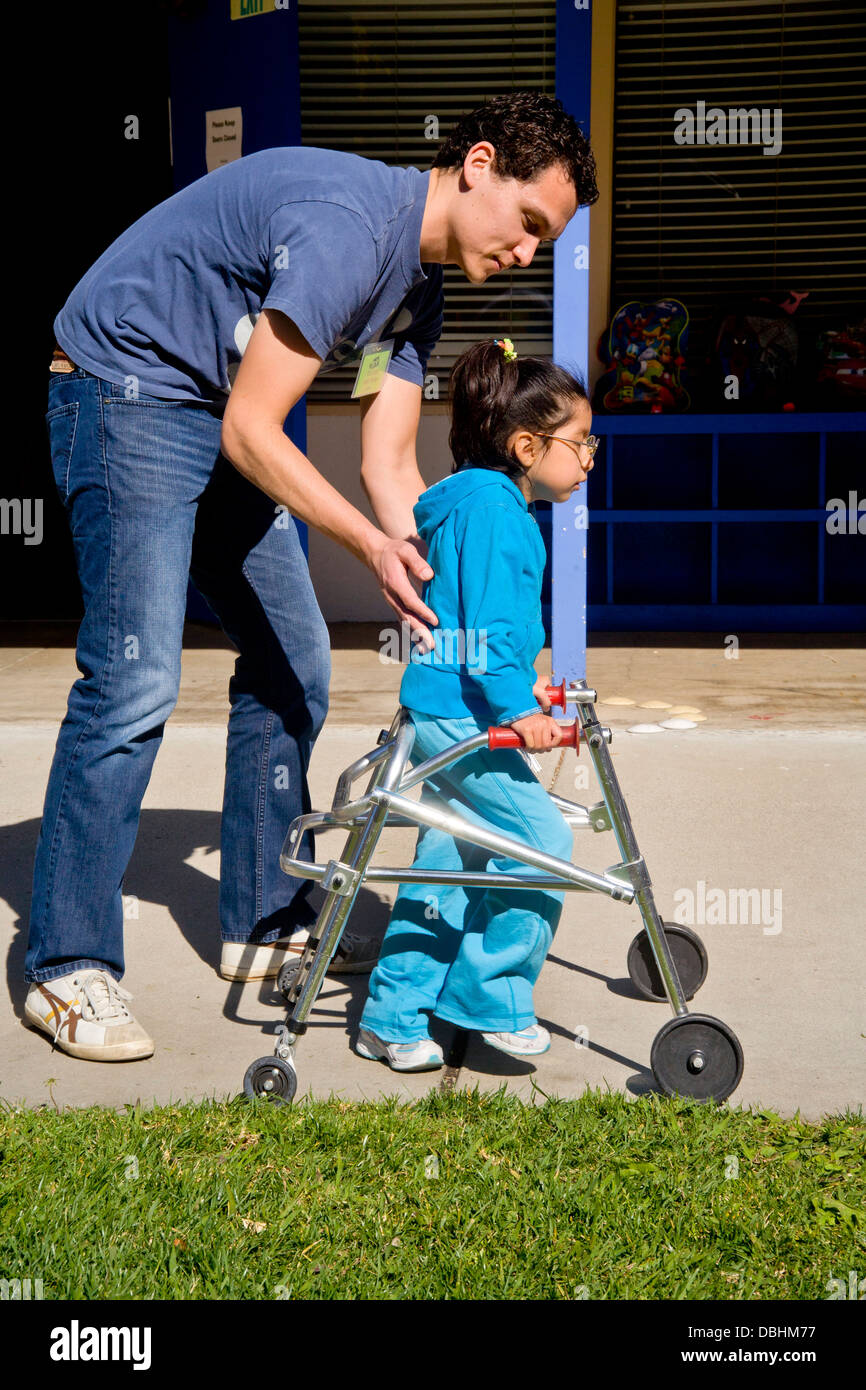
372 368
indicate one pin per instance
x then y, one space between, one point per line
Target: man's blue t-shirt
331 239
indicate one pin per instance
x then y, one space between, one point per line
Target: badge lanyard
372 368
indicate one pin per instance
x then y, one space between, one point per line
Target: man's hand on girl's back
394 563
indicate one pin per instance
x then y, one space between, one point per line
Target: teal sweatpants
469 955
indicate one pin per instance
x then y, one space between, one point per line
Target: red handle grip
556 694
509 738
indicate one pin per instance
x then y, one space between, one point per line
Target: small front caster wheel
287 977
271 1078
689 956
698 1056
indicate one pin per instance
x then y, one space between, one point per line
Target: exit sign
242 9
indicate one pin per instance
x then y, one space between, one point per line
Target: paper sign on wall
223 136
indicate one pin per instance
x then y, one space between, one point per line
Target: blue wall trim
571 348
812 422
716 514
739 618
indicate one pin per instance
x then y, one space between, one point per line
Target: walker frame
692 1054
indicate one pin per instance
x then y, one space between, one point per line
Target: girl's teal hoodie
488 557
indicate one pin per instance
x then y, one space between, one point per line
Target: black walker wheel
698 1056
271 1078
287 977
689 955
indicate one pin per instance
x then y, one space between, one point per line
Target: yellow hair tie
508 348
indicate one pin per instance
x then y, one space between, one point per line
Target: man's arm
389 467
275 371
389 419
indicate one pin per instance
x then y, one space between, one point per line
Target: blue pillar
569 521
236 54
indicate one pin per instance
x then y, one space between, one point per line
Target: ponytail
493 395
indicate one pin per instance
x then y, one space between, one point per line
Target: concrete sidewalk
767 793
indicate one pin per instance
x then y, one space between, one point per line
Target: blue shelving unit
719 523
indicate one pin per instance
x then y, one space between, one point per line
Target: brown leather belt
60 362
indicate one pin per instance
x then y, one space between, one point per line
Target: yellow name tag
372 369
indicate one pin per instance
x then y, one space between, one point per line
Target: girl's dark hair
491 398
529 132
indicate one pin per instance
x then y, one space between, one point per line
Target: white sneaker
86 1015
527 1043
425 1055
243 960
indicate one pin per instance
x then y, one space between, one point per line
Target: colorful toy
841 374
644 351
754 362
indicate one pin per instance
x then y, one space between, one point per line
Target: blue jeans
469 955
150 501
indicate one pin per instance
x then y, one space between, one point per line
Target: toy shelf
720 523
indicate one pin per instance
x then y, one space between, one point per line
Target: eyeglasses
591 443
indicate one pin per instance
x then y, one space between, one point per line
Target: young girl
519 432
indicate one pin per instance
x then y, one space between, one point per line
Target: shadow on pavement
158 873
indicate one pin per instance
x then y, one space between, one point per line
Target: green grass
599 1197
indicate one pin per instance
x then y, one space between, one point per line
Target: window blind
706 222
388 81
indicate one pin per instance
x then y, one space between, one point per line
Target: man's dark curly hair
530 132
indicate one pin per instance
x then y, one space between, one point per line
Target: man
180 354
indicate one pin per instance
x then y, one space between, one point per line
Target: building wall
346 590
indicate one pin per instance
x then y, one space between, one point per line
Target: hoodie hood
436 504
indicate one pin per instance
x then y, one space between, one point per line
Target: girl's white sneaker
425 1055
529 1042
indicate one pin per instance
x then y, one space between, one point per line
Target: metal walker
692 1054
